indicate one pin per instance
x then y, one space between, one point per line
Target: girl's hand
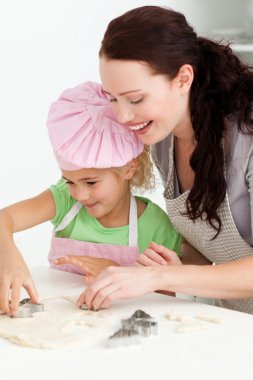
14 275
90 266
120 283
158 255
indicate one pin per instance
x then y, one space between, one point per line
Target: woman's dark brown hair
222 88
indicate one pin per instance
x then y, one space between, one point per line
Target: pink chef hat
84 132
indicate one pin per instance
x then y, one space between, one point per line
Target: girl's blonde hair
144 178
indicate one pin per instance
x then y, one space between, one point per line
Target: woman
191 99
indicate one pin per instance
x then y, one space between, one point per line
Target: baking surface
219 350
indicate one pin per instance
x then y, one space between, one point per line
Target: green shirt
153 224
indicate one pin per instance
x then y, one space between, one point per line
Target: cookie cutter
27 308
142 322
85 307
139 324
140 314
143 327
123 337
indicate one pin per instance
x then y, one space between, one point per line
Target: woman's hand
90 266
120 283
14 275
157 254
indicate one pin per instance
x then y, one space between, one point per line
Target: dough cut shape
179 317
191 323
209 318
60 325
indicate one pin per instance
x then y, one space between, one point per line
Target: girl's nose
82 195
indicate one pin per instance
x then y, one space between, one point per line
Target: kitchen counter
221 351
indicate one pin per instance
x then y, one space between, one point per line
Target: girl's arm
160 255
90 266
13 271
30 212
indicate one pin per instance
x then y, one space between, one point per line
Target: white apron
228 246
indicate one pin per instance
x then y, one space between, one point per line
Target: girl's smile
90 205
103 192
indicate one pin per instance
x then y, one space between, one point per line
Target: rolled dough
209 318
60 325
179 317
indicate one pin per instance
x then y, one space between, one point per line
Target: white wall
47 46
206 15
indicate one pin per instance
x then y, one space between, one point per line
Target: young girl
98 222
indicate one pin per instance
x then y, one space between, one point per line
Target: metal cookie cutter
144 323
140 314
27 308
85 307
139 324
147 328
123 337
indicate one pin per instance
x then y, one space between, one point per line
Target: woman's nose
124 115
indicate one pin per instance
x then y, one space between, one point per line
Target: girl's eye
136 101
112 100
69 183
91 183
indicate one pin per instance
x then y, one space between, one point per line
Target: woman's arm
13 271
231 280
190 255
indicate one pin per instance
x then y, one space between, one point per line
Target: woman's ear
185 78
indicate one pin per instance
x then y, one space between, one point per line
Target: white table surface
219 352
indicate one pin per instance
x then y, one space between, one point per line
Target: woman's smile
139 126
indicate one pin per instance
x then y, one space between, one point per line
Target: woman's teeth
137 127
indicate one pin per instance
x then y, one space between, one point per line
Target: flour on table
60 325
190 326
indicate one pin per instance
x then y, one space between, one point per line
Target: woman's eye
136 101
69 183
91 183
112 100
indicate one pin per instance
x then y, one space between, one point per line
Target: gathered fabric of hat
84 132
